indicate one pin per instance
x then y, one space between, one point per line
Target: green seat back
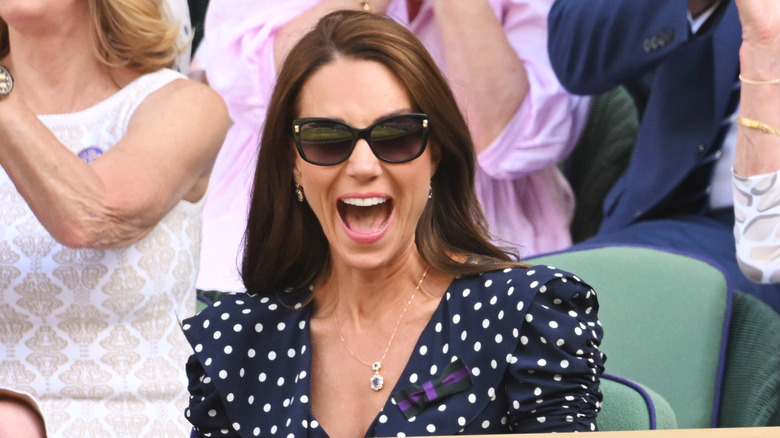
751 384
663 316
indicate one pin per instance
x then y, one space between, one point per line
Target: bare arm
166 155
487 76
296 28
757 151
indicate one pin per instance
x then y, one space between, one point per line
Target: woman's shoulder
531 279
235 314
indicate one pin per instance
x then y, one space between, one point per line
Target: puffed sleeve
206 411
554 376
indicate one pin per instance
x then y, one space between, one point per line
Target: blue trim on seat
638 388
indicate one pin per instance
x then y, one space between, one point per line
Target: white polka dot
199 348
251 400
442 408
206 324
463 335
223 374
258 327
267 407
510 291
477 306
438 327
280 381
578 331
236 426
560 342
499 338
271 355
475 371
225 316
455 319
261 377
207 362
485 424
291 353
434 368
413 378
492 393
477 346
186 327
431 428
541 419
230 397
524 340
246 311
212 413
541 362
543 289
553 324
256 431
423 350
488 283
466 292
494 364
485 323
538 391
228 349
237 328
472 398
557 377
461 421
445 348
529 317
272 307
564 363
280 326
217 334
383 418
304 399
569 418
534 284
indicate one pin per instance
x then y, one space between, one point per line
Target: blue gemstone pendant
377 380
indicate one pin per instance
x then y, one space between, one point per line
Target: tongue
365 220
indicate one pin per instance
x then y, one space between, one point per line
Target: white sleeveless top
93 335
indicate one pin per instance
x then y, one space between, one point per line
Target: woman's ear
296 175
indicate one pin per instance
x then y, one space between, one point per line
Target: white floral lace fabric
757 226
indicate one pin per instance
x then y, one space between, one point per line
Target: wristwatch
6 82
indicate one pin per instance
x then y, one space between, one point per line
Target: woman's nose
362 162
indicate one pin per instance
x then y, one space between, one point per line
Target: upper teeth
364 202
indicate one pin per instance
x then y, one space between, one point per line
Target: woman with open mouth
375 304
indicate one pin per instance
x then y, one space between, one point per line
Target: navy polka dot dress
509 351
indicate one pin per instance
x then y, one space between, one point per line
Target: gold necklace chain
377 381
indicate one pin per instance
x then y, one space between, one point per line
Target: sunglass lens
325 142
398 139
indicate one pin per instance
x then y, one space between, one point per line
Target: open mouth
365 215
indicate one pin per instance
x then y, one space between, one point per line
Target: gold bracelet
366 7
754 82
763 127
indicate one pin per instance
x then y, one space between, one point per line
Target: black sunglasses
394 139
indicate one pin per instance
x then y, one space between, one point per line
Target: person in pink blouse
494 54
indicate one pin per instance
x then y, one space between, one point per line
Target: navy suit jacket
595 45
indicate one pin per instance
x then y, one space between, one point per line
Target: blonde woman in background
106 155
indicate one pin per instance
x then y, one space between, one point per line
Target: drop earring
299 192
430 192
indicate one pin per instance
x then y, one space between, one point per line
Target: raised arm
758 151
167 155
487 75
595 45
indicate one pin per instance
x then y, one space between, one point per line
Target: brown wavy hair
284 245
136 34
